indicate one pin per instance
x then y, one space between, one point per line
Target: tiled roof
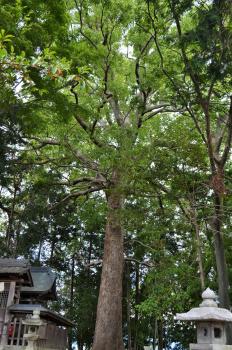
16 267
43 281
44 312
13 265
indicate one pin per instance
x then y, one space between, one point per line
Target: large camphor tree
91 107
101 71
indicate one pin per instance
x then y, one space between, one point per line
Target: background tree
96 133
198 88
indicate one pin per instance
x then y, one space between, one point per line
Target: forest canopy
115 140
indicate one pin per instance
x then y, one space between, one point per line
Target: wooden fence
51 336
16 330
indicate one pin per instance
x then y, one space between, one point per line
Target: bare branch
85 161
77 194
44 142
99 179
162 110
99 262
151 108
145 263
93 263
141 243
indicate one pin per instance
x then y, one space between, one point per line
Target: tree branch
85 126
163 110
144 94
99 179
145 263
229 137
77 194
176 87
79 9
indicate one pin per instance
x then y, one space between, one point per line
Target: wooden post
10 301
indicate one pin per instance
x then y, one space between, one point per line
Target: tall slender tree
202 35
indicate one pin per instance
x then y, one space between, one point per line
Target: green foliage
77 82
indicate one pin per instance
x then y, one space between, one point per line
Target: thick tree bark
108 329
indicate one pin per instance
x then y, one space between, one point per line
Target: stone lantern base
210 347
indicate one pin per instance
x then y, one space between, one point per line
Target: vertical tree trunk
90 252
193 218
128 303
10 228
222 270
108 329
71 298
137 300
52 248
80 346
39 250
160 335
72 281
154 335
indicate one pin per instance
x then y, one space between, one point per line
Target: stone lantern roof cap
209 294
209 298
207 311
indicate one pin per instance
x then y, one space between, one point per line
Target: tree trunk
53 244
39 250
71 298
223 283
90 252
10 228
222 270
137 301
80 346
154 335
193 217
128 303
160 335
108 329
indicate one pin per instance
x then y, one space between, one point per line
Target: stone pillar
33 322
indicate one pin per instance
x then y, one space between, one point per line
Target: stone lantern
211 323
34 323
